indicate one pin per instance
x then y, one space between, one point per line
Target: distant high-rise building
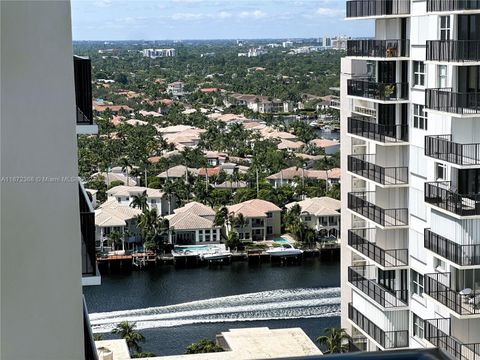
410 145
156 53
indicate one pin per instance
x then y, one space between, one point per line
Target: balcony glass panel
364 8
361 202
378 132
446 100
364 165
370 89
452 5
453 50
378 48
463 255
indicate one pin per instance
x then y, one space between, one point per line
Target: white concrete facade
410 203
41 282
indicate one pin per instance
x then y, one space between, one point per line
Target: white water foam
265 305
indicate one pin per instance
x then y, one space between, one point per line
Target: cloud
103 3
256 14
224 15
330 12
187 16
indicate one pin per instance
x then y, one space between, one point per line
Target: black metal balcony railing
376 90
463 255
386 339
438 286
445 100
443 148
358 202
378 48
442 195
453 50
89 346
364 165
83 90
438 333
364 279
378 132
365 8
358 239
87 229
452 5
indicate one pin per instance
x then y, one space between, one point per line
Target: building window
442 76
246 236
207 235
214 234
127 198
417 283
418 326
445 27
418 73
200 235
153 201
308 218
269 215
440 171
269 230
419 117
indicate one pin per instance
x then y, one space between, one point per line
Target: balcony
364 279
462 255
439 287
359 203
442 147
364 165
387 134
437 332
360 240
83 90
378 48
257 223
371 8
458 51
441 194
445 100
377 91
335 103
386 339
452 5
87 229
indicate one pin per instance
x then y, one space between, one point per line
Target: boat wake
265 305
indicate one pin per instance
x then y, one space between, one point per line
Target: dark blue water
175 307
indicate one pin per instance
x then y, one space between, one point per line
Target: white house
155 198
113 216
193 224
321 214
176 88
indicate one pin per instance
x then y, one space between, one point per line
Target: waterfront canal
175 307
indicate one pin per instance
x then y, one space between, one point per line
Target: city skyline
210 20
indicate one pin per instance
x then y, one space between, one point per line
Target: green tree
143 354
115 183
203 346
127 332
334 341
140 201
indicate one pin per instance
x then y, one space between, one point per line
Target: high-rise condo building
410 110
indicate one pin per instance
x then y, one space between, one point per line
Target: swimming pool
198 248
281 240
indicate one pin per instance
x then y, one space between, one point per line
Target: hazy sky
211 19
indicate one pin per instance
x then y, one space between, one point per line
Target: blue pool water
200 248
281 240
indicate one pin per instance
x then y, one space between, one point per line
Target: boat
216 255
285 250
184 253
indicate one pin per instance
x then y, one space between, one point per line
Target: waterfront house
262 220
155 198
111 217
111 176
176 88
321 214
193 224
329 146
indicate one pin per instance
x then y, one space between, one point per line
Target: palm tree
127 331
126 166
334 341
140 201
221 216
116 238
239 221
